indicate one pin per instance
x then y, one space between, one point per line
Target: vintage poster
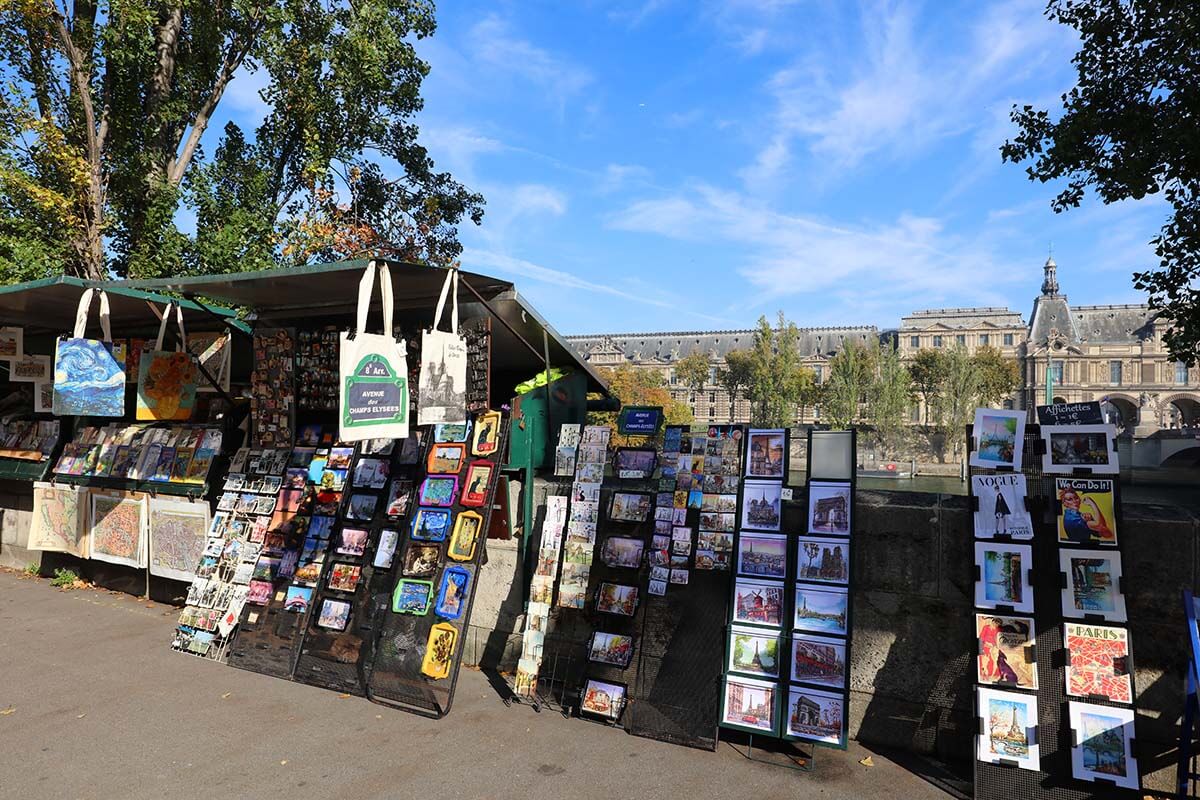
1002 510
118 525
1009 728
213 352
178 530
57 524
1086 511
1103 744
1093 584
1097 661
1006 654
999 437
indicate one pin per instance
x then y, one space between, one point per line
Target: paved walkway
93 704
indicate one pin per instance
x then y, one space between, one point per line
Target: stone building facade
1111 353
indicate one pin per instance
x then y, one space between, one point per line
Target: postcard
371 473
1098 662
657 587
399 495
821 610
1103 748
1002 576
601 699
636 463
260 592
340 458
822 560
1006 651
819 660
679 577
1093 585
616 598
758 602
335 615
1009 725
611 648
998 436
362 507
1089 448
1002 510
754 652
749 704
829 508
1085 511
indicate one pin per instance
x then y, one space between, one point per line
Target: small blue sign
639 420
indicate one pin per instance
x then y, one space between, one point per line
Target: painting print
762 555
1086 511
829 507
1002 510
749 704
767 453
821 610
754 652
823 560
999 437
1093 584
57 524
761 505
1104 749
178 531
819 660
1069 447
816 716
1097 662
758 602
1005 651
602 699
1009 728
117 524
1003 576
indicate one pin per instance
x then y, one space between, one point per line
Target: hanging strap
451 275
81 314
162 327
366 286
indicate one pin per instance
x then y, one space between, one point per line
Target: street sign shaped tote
87 379
443 395
373 371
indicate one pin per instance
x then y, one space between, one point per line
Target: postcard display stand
1053 721
788 641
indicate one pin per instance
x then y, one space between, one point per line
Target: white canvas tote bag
443 395
373 371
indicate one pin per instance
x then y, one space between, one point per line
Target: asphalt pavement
94 704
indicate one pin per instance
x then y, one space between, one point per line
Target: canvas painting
57 523
749 704
822 560
630 506
766 453
1072 447
611 648
753 652
758 602
762 555
1098 661
1006 654
1002 510
818 660
602 699
620 551
1093 584
1009 728
1103 744
816 716
829 508
999 437
762 505
178 532
1003 576
1086 511
118 526
616 598
821 610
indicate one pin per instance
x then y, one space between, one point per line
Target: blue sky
693 164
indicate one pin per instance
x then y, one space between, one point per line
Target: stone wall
16 514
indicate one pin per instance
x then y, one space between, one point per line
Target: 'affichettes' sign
1071 414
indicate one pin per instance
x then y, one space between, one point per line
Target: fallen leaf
283 763
867 762
379 716
343 696
6 712
226 695
81 716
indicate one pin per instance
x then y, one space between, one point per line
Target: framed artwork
297 599
178 533
450 432
766 453
611 648
821 610
622 551
370 473
344 577
1009 728
1102 748
118 524
762 505
602 699
616 598
1093 584
831 455
362 507
412 597
467 527
829 508
1080 447
487 433
761 555
1098 662
43 397
814 715
1001 510
634 462
31 369
1085 511
340 458
335 615
819 660
439 651
399 495
475 485
12 343
998 437
630 506
352 541
446 458
259 592
1006 651
758 602
822 560
453 592
749 704
420 560
438 491
753 651
431 524
1002 576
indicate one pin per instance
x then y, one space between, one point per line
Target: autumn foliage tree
639 387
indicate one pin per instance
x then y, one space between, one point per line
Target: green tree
954 405
1127 130
778 381
889 399
693 371
105 104
735 377
928 370
638 387
998 376
845 391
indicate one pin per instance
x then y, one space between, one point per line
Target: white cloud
243 96
494 44
620 176
456 148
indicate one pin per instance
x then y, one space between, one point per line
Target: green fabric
540 380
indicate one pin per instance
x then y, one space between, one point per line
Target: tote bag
87 379
443 386
166 386
373 373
